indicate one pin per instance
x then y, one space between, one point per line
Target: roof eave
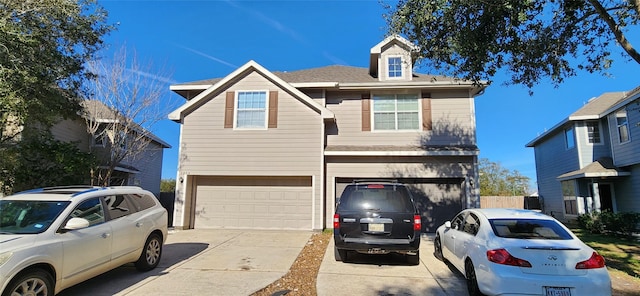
410 84
548 132
592 175
401 153
634 94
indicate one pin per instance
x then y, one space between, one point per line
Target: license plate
376 251
376 227
557 291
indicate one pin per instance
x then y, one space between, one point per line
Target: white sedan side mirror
447 224
76 223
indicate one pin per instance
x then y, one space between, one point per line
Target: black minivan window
376 197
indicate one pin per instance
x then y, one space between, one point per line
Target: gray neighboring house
145 170
274 150
590 161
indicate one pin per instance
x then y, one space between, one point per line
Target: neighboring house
590 161
274 150
141 168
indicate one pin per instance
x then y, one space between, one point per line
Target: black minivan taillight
336 221
417 223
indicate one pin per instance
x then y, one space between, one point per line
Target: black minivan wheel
413 259
340 254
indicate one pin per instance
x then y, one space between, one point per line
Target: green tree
44 46
497 180
41 161
528 39
167 185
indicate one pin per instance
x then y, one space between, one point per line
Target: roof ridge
632 92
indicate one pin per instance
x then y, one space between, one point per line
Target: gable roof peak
178 114
377 49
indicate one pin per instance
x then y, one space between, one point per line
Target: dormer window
395 67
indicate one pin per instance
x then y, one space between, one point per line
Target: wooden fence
510 202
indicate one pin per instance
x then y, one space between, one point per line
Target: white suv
53 238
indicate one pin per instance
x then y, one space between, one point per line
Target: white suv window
118 206
91 210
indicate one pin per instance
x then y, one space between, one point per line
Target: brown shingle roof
335 73
595 107
600 168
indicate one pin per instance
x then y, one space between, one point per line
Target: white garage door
253 202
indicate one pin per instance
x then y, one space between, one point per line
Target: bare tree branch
127 101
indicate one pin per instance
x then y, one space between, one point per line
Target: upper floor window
251 109
593 132
396 112
623 126
569 139
98 140
395 67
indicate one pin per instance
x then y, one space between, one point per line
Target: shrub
591 222
619 223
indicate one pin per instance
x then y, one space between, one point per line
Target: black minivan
377 218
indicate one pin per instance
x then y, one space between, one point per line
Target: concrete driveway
378 275
206 262
240 262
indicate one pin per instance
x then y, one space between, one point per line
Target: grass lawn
620 253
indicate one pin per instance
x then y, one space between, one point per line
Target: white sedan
520 252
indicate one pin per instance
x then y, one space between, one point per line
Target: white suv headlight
4 257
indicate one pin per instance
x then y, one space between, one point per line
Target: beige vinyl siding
316 94
452 118
72 131
294 148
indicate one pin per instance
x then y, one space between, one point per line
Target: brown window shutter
427 120
273 109
228 110
366 113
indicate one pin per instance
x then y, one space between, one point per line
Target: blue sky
198 40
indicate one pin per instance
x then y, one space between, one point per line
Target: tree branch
622 40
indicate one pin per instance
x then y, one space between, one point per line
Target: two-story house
274 150
142 161
590 161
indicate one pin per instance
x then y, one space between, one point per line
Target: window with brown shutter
273 109
228 110
366 113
